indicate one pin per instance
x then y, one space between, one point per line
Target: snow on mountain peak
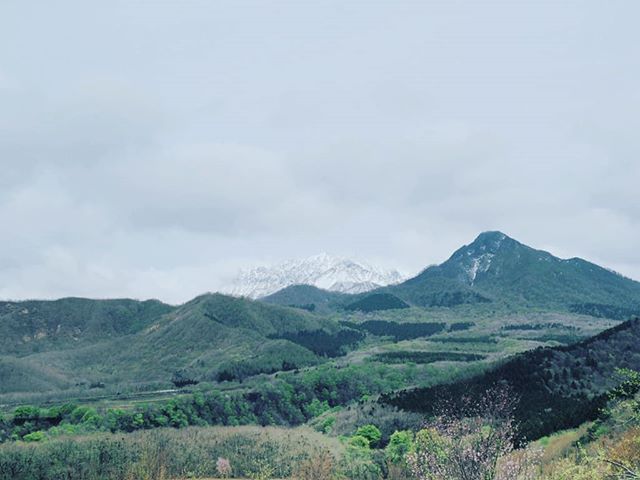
479 264
323 270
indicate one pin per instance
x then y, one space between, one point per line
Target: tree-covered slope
308 297
376 302
557 387
40 325
75 341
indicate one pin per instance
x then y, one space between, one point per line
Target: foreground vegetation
470 441
251 452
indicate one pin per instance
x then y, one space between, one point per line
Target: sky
150 149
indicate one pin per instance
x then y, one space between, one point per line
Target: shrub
359 441
320 466
254 452
34 436
473 437
371 433
400 444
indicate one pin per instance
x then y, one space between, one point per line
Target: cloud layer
150 149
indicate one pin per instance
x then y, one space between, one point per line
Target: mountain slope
498 268
557 387
41 325
307 297
197 340
322 271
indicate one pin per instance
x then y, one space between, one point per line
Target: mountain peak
477 257
323 270
495 267
485 243
491 238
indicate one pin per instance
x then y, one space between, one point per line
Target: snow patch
323 271
479 264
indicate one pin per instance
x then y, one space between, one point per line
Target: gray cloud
150 149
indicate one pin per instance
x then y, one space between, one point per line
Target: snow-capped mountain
324 271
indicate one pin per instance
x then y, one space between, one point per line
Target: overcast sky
152 148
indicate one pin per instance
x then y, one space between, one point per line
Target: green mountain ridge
497 269
59 344
33 325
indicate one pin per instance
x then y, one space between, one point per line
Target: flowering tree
471 440
224 467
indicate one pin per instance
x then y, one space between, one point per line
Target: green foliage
400 444
327 423
405 356
26 413
50 325
291 399
360 461
371 433
271 358
376 302
358 441
606 311
459 326
629 386
82 414
307 295
317 408
400 331
324 343
166 453
558 387
133 344
429 440
34 436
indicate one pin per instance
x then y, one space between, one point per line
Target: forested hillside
308 297
40 325
55 345
557 388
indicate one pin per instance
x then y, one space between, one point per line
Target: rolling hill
40 325
59 344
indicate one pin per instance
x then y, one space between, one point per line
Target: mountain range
50 345
336 274
498 270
